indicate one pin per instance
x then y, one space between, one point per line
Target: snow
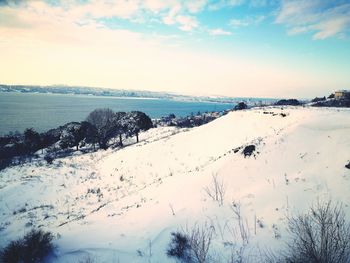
120 205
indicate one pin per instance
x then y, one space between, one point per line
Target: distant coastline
124 94
43 111
46 107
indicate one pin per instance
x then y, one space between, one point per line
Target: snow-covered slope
122 205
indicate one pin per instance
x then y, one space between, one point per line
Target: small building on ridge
342 94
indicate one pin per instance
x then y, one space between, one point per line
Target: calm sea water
19 111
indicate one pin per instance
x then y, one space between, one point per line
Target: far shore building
342 94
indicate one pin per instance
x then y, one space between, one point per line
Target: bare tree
104 122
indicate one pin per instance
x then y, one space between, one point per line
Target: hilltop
122 205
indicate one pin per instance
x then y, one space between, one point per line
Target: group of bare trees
99 128
101 125
107 124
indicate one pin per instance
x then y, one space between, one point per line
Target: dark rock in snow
235 150
347 165
248 150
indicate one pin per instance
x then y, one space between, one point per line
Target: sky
240 48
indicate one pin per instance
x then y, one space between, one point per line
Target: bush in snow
48 158
32 248
241 106
5 163
320 236
293 102
193 245
318 99
52 151
179 246
32 140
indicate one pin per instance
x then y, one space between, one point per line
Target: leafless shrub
219 227
172 209
216 190
243 227
322 235
87 259
236 255
192 245
238 228
200 238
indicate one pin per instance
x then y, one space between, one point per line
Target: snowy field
122 205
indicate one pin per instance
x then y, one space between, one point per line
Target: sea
44 111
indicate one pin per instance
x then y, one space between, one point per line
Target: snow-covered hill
122 205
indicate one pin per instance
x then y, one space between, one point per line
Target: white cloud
225 3
155 5
171 12
195 6
322 18
187 23
248 21
219 32
178 14
238 22
169 19
100 8
332 27
216 5
263 3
